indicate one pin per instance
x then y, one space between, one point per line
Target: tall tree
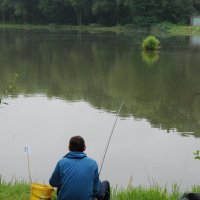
21 10
105 11
46 9
168 10
123 12
80 7
196 5
145 12
178 11
7 9
4 8
184 10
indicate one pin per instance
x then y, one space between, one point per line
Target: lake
69 83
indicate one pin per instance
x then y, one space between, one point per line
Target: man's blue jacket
76 177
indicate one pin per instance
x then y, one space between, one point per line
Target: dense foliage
105 12
150 43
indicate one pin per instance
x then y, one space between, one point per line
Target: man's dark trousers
105 191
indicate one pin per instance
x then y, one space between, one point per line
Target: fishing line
146 171
109 139
188 156
184 169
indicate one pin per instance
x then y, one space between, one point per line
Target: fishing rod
27 151
109 139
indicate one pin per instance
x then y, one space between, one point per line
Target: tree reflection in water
103 68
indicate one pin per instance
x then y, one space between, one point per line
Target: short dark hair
77 143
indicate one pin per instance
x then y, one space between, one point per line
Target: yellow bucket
41 192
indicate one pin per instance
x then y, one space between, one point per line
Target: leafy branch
2 102
197 155
10 89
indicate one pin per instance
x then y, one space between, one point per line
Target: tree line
104 12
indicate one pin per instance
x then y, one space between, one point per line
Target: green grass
21 191
15 191
165 27
145 193
60 28
184 30
176 29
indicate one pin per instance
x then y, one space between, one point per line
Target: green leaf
196 153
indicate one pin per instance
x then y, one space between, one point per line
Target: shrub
164 26
150 43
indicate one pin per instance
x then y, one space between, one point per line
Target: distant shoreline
62 28
167 28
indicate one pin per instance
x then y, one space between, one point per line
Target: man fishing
76 176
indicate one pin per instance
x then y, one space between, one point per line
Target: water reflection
103 70
150 57
136 149
195 40
93 76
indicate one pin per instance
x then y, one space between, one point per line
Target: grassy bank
21 191
15 191
184 30
166 28
175 29
60 28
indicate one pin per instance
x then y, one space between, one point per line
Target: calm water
70 83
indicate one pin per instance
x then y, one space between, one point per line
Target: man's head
77 143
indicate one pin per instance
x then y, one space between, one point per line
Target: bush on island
150 43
